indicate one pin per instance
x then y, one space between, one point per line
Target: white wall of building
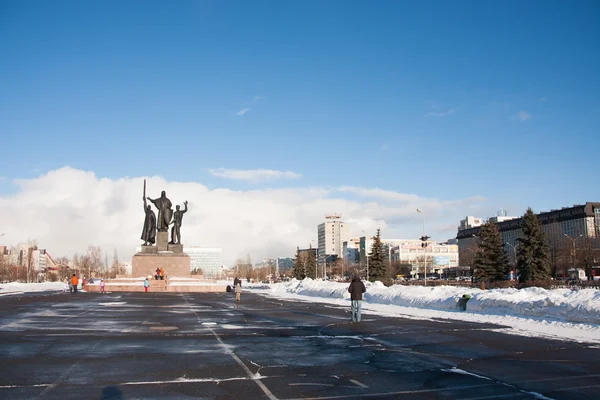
331 237
208 259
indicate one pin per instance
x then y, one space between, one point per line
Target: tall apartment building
331 236
573 221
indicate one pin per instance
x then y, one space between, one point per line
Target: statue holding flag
149 230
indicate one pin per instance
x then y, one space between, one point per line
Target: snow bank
559 304
18 287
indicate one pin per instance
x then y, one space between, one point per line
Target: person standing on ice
356 290
146 285
74 282
65 285
238 291
101 285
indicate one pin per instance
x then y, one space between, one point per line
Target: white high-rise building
332 234
207 259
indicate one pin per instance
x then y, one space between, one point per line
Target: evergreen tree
311 264
533 260
490 261
298 272
377 267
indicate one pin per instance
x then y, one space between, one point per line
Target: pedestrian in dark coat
356 290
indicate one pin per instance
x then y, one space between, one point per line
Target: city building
437 256
284 264
561 226
331 236
351 251
470 222
206 259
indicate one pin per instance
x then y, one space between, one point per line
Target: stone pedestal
175 248
149 249
162 240
174 264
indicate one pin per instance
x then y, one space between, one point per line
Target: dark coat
356 289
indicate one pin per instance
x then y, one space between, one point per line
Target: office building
331 236
573 222
206 259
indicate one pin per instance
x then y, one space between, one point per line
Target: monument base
174 264
175 248
162 239
149 249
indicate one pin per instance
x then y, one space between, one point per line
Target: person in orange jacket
162 274
74 282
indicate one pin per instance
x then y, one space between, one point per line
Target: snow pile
19 287
559 304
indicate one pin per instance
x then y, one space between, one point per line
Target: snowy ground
559 314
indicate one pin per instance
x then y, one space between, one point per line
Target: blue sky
435 98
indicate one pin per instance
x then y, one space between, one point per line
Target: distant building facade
207 259
470 222
573 221
331 236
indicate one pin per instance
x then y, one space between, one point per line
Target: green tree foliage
299 272
310 268
533 260
490 261
377 265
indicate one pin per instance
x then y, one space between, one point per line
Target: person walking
74 282
146 285
101 285
238 291
356 290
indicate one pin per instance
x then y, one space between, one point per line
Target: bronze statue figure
149 230
177 221
165 212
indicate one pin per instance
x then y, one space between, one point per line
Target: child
146 284
238 292
65 285
101 285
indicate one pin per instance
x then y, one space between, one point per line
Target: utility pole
574 249
424 246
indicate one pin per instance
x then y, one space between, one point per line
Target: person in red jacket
356 290
74 282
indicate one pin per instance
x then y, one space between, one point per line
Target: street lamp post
573 240
316 260
424 249
514 252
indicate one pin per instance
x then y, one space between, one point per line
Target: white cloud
523 115
441 114
66 210
252 175
243 111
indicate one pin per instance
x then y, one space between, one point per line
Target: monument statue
149 230
165 212
177 221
